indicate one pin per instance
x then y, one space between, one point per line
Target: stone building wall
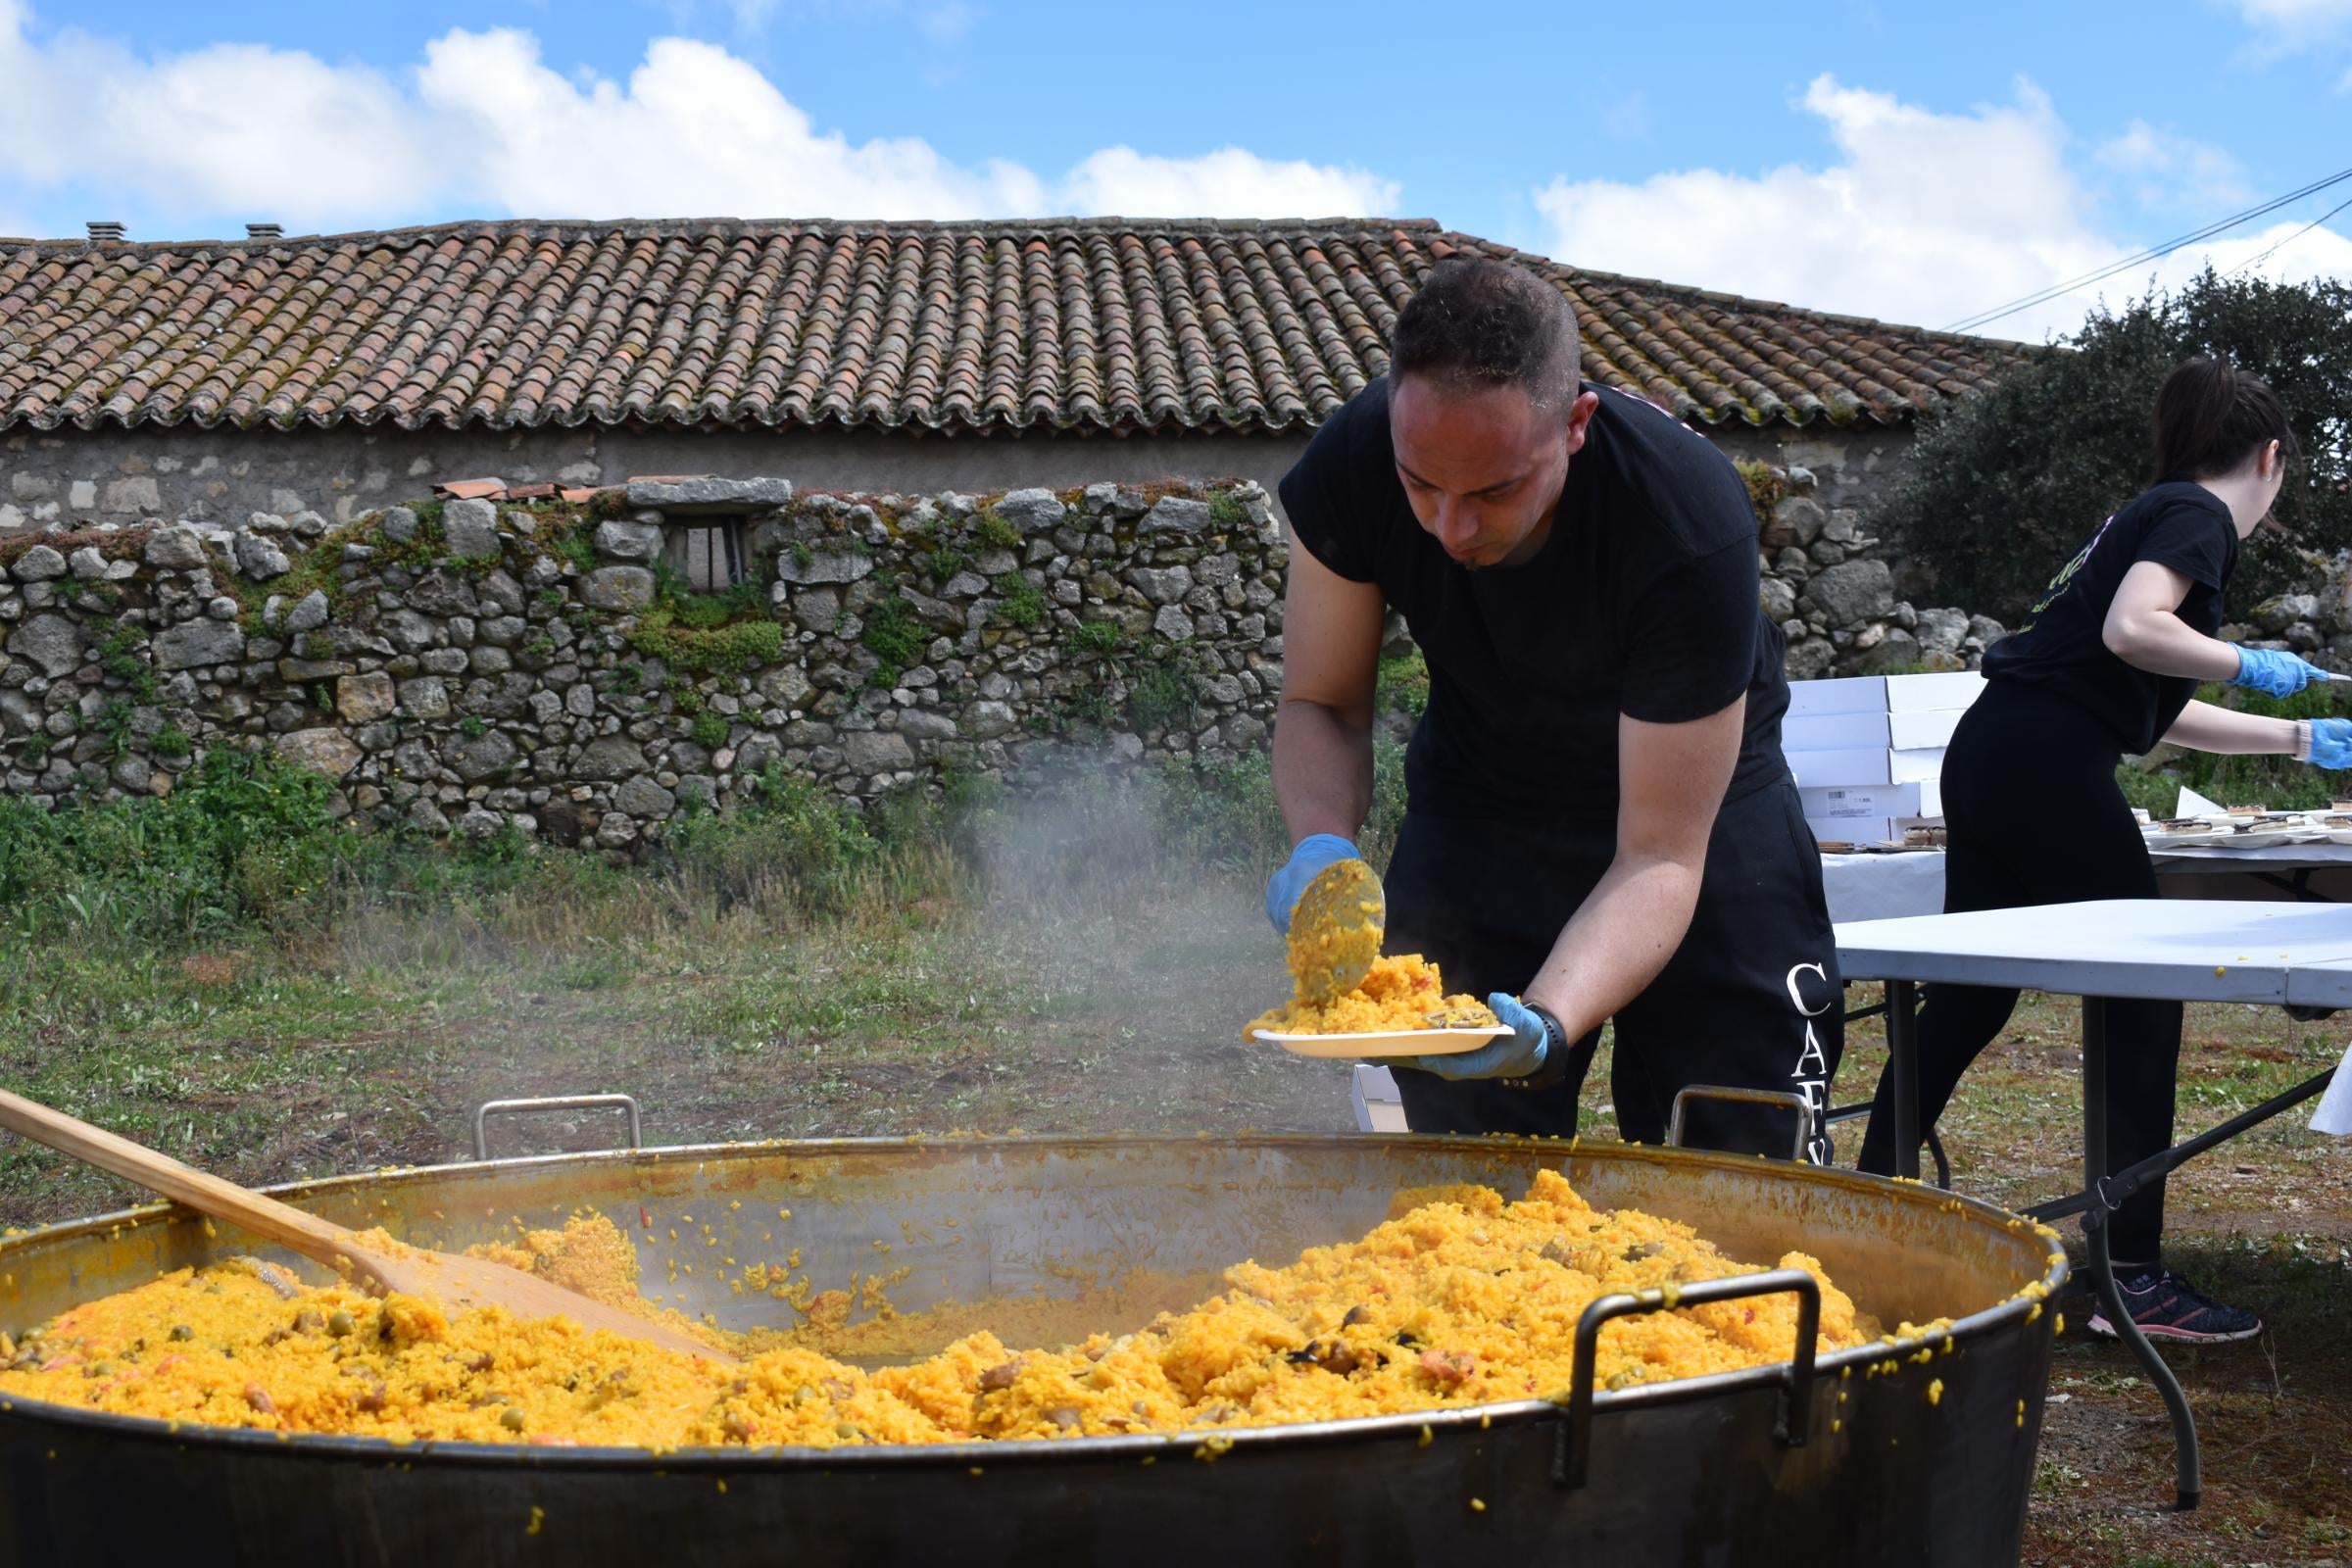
464 664
1838 591
168 472
162 473
461 664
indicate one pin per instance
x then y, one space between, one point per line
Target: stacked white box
1868 751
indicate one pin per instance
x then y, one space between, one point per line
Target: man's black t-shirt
2062 644
1642 602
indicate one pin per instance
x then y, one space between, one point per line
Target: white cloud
2292 21
948 22
2289 252
1230 182
2172 170
2283 28
230 127
483 125
1924 217
695 132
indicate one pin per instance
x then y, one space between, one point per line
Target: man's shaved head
1480 325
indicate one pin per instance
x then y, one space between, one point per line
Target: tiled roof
1098 324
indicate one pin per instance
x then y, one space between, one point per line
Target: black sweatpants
2033 816
1750 999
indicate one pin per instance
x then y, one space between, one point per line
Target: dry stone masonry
470 663
1832 591
540 658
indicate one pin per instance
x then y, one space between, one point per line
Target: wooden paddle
454 1281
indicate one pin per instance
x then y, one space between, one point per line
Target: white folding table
1885 884
2297 955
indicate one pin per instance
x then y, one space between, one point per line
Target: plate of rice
1401 1009
1365 1045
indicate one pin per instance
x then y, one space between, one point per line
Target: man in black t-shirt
1599 823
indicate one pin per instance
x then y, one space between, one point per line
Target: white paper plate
1396 1043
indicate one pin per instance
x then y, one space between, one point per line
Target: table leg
2094 1092
1903 1073
2190 1486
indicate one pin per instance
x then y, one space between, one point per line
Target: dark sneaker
2167 1306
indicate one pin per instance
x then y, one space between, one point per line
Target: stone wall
1837 589
2318 624
162 473
464 663
1857 619
460 664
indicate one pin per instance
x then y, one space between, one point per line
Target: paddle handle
319 1240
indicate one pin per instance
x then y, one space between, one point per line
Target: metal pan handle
1573 1448
490 1108
1780 1098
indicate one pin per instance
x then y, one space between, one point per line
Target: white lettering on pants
1810 1075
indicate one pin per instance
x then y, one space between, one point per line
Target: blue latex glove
2331 741
1521 1054
2273 673
1315 852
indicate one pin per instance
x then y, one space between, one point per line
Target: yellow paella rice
1404 990
1459 1299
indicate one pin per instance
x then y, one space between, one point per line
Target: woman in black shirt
2107 664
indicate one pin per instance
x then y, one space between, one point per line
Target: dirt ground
1125 1015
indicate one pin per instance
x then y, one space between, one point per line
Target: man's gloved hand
2331 741
2273 673
1313 852
1534 1044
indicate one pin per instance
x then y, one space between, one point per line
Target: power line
2263 255
2053 291
2045 295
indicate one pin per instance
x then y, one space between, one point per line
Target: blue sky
1912 162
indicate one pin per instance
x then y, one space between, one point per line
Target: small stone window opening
707 553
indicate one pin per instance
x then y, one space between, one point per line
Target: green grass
1095 639
1162 693
992 530
892 633
1403 684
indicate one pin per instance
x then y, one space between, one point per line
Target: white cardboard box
1856 829
1915 765
1883 694
1830 732
1822 769
1851 694
1379 1108
1864 801
1917 694
1926 729
1880 765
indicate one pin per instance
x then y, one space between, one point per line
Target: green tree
2006 487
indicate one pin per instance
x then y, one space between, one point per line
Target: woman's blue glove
1524 1053
1315 852
2331 741
2273 673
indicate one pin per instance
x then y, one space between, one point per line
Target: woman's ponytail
2212 417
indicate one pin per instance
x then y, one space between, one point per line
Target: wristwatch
1553 1068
